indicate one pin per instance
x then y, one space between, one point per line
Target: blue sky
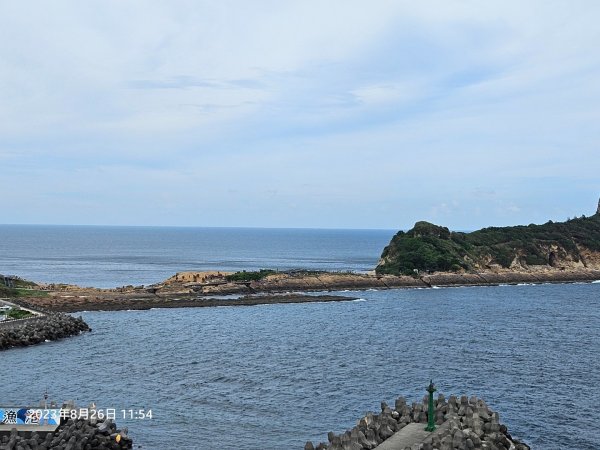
333 114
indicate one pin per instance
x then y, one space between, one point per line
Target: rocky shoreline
497 278
134 303
46 327
200 289
462 423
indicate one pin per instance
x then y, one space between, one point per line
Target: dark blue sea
274 376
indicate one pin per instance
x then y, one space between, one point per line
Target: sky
321 114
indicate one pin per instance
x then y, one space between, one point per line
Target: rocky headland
554 249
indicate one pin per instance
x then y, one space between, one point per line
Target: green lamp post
430 413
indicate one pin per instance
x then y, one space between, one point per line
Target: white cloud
339 101
388 93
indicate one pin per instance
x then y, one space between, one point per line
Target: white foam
595 282
223 297
359 300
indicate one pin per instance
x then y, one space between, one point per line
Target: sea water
274 376
116 256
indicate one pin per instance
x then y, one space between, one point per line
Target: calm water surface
275 376
118 256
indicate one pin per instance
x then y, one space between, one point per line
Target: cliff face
574 244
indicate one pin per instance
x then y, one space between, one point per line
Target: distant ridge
574 244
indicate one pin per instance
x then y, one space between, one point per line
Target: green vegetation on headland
20 292
13 286
250 276
432 248
263 273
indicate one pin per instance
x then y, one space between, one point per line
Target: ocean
106 257
275 376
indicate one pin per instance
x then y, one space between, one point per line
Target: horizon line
240 227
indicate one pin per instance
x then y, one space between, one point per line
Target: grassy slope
434 248
22 288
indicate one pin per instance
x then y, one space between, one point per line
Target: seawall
47 327
72 435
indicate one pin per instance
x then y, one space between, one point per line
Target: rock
104 427
439 417
459 441
400 403
446 443
385 432
385 408
364 442
452 401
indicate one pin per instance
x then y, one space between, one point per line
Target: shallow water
274 376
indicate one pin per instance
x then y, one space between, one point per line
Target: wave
223 297
359 300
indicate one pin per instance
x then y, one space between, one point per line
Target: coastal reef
196 289
462 423
555 246
45 327
77 434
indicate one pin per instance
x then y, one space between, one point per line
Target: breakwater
45 327
462 423
72 435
